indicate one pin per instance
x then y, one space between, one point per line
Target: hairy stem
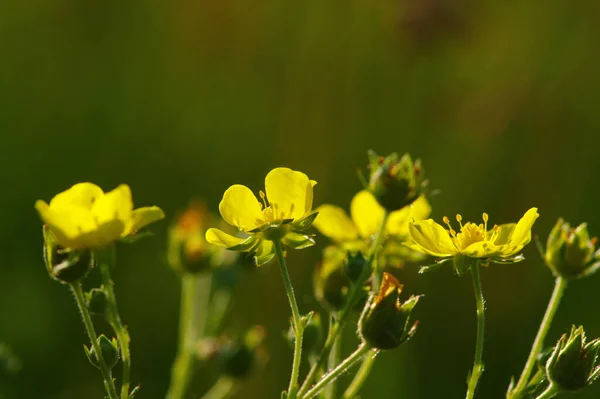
478 362
296 320
109 384
353 296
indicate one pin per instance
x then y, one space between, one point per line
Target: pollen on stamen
263 197
485 218
459 220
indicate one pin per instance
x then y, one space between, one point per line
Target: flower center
470 233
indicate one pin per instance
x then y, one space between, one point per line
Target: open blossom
84 216
473 240
365 219
285 213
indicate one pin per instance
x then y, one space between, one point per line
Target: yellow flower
286 212
366 216
499 244
355 232
86 217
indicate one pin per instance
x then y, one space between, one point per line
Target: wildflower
355 232
84 217
285 214
385 323
570 252
574 362
395 183
501 244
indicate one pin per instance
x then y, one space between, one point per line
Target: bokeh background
181 99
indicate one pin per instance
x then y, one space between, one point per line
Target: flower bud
110 352
355 266
570 252
385 322
573 363
96 300
188 251
395 182
240 357
65 265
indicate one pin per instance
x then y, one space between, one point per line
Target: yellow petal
289 192
113 205
506 231
333 222
222 239
366 213
240 208
522 233
431 238
398 221
142 217
102 235
62 229
81 194
481 249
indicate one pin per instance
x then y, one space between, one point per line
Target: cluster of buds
570 252
395 182
386 322
573 363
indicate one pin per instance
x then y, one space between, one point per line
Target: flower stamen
447 222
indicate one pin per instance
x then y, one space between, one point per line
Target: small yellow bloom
366 216
285 213
500 243
86 217
354 233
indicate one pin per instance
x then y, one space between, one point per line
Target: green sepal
110 352
433 266
463 264
130 239
297 240
510 260
65 265
247 245
263 259
305 223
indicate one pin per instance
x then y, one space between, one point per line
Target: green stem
115 320
550 392
478 362
296 320
333 360
195 296
353 295
109 384
222 389
332 375
538 344
361 376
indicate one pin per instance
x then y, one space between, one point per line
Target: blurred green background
182 99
